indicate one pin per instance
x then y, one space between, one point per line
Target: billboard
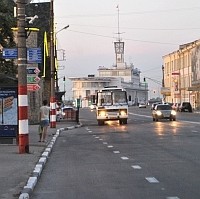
8 111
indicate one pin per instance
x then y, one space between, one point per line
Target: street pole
56 74
22 78
52 98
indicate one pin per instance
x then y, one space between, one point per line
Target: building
181 75
121 75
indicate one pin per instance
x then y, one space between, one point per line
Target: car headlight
158 113
173 112
102 113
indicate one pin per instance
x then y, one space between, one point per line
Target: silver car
163 111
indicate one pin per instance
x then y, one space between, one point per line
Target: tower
119 48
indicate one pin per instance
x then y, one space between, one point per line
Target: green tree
7 22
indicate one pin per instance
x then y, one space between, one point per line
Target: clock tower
119 51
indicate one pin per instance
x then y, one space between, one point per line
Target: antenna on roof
119 33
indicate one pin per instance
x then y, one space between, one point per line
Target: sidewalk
16 169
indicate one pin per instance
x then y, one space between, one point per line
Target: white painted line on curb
152 180
116 152
136 167
124 158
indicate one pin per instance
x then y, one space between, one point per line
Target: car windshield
164 107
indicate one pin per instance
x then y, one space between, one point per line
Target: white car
93 106
142 105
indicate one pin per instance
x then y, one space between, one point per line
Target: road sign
32 79
33 87
32 70
9 53
34 55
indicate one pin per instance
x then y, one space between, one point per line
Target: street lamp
56 74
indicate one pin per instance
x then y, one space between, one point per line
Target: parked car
93 106
185 107
163 111
142 105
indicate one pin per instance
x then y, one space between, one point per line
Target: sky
150 30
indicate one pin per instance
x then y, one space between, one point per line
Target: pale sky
150 30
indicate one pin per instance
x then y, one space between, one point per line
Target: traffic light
64 79
144 79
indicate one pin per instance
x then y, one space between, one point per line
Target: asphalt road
140 160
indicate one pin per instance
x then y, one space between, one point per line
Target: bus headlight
102 113
173 112
123 112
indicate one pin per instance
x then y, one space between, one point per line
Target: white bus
111 104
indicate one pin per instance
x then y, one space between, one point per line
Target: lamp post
56 75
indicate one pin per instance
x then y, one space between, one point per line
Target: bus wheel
125 121
100 122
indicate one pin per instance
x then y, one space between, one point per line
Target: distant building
181 75
121 75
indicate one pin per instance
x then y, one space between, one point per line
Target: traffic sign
32 70
34 55
32 79
9 53
33 87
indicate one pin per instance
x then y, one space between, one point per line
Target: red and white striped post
22 79
52 48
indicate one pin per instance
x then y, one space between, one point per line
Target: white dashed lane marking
105 142
124 158
110 146
97 137
116 152
173 197
152 180
136 167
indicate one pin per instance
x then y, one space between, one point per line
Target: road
140 160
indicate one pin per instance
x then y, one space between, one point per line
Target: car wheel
153 119
174 119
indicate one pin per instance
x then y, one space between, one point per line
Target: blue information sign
9 53
8 112
34 55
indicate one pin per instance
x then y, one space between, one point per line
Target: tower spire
119 39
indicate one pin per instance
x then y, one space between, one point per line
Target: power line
129 13
136 40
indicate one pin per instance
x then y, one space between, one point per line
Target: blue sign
34 55
8 112
9 53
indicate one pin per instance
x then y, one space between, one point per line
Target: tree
7 22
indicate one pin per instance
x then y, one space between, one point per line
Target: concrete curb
32 181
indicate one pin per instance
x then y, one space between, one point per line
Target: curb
32 181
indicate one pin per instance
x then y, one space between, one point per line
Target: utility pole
52 49
22 78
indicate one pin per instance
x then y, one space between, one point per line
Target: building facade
121 75
181 75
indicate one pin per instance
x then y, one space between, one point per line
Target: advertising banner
8 111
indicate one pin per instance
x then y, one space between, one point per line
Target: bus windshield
111 98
